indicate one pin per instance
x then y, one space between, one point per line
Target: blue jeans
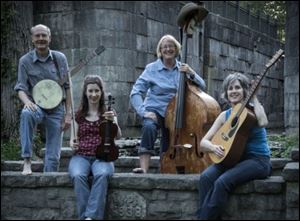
52 121
90 200
149 135
217 182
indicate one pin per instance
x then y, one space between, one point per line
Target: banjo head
47 94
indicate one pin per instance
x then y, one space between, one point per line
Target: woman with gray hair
158 84
219 180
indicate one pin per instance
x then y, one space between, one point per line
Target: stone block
273 184
292 195
291 172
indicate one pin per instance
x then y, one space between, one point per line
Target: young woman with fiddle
91 113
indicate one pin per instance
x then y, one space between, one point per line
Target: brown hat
188 11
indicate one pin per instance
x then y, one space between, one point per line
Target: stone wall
147 196
291 69
231 47
130 31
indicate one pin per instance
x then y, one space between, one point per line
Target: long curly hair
84 106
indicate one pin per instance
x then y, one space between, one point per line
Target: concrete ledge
134 196
124 164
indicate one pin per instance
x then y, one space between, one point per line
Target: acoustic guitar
107 150
233 134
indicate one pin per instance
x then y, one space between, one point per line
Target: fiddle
107 150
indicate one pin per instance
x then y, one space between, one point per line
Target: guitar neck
258 80
252 91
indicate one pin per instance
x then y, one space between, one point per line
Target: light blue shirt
156 86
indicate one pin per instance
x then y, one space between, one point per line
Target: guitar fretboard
258 80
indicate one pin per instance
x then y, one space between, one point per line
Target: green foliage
7 14
11 149
275 9
287 143
7 18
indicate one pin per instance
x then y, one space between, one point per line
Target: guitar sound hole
234 121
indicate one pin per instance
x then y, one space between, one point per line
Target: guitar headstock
274 59
99 50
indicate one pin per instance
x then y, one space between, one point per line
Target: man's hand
30 105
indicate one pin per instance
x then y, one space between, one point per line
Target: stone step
123 164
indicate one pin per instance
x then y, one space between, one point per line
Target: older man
39 64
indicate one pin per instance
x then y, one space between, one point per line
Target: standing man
39 64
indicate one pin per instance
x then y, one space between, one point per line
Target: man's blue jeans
217 182
52 122
90 200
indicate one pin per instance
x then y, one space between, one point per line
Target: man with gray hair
35 67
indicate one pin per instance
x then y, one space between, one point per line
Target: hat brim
188 11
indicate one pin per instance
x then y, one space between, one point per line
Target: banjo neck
81 64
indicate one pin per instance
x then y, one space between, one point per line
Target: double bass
190 113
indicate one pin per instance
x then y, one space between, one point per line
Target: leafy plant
11 149
287 143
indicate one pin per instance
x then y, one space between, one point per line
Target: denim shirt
33 69
158 85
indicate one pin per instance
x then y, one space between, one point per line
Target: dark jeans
217 182
149 135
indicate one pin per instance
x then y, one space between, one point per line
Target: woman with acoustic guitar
89 117
218 180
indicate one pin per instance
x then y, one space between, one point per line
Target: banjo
48 94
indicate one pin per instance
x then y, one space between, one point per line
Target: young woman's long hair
84 105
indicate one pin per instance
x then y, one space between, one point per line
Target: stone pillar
291 69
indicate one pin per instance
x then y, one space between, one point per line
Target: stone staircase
146 196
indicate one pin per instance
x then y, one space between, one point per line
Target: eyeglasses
168 46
